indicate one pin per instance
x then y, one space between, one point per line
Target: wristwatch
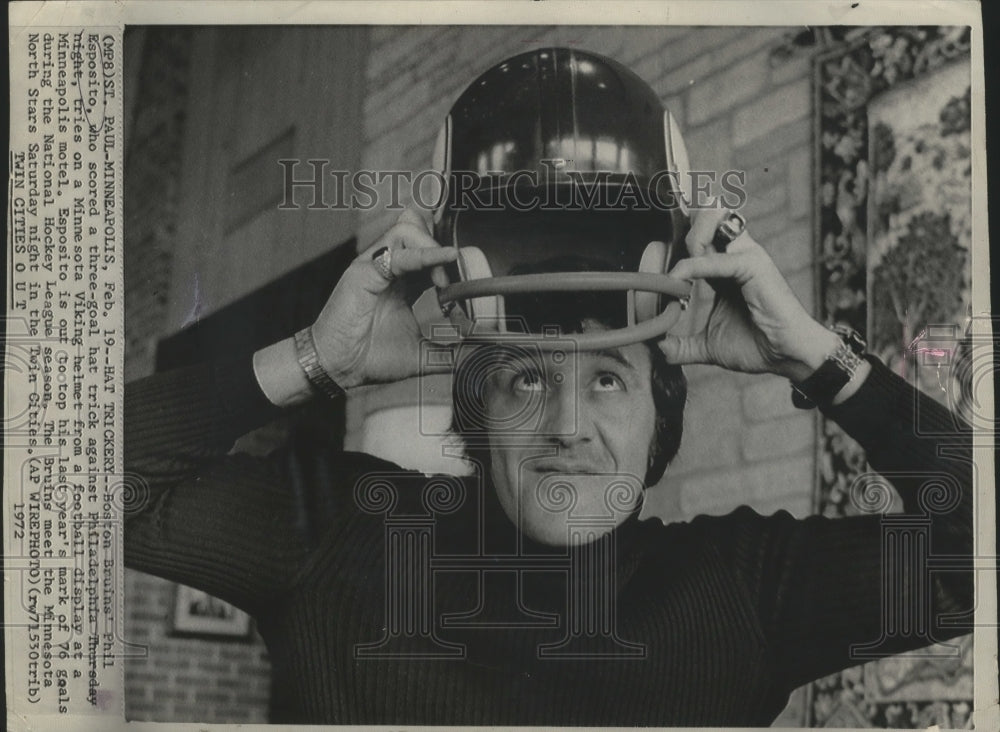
319 379
820 387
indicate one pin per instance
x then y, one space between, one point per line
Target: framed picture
198 614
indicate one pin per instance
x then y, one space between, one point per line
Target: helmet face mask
557 154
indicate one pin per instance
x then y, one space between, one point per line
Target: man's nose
564 418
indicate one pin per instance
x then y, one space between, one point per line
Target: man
626 622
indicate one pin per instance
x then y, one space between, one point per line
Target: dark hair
569 313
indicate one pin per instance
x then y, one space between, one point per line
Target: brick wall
155 130
744 442
168 678
188 679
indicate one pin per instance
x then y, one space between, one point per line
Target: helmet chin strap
567 282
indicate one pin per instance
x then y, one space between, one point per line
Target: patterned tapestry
921 227
894 231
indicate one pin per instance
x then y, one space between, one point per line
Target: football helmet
555 154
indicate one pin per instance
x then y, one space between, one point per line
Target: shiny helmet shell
559 154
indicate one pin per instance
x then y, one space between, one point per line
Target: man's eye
609 382
527 381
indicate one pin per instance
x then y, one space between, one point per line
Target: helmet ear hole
486 311
654 261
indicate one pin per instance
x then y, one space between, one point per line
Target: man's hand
756 323
366 332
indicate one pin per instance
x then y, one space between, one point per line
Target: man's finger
408 235
681 350
732 266
412 237
412 216
440 277
742 243
704 222
404 261
402 235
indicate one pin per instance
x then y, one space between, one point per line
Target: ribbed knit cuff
241 404
885 403
195 407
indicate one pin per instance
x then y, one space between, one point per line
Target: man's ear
653 452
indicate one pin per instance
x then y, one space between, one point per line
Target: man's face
595 424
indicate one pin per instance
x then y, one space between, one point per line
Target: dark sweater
731 613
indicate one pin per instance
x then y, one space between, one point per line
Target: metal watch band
820 388
305 352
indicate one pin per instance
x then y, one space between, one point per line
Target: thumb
681 350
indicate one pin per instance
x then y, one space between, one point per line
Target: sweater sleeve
833 593
233 525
